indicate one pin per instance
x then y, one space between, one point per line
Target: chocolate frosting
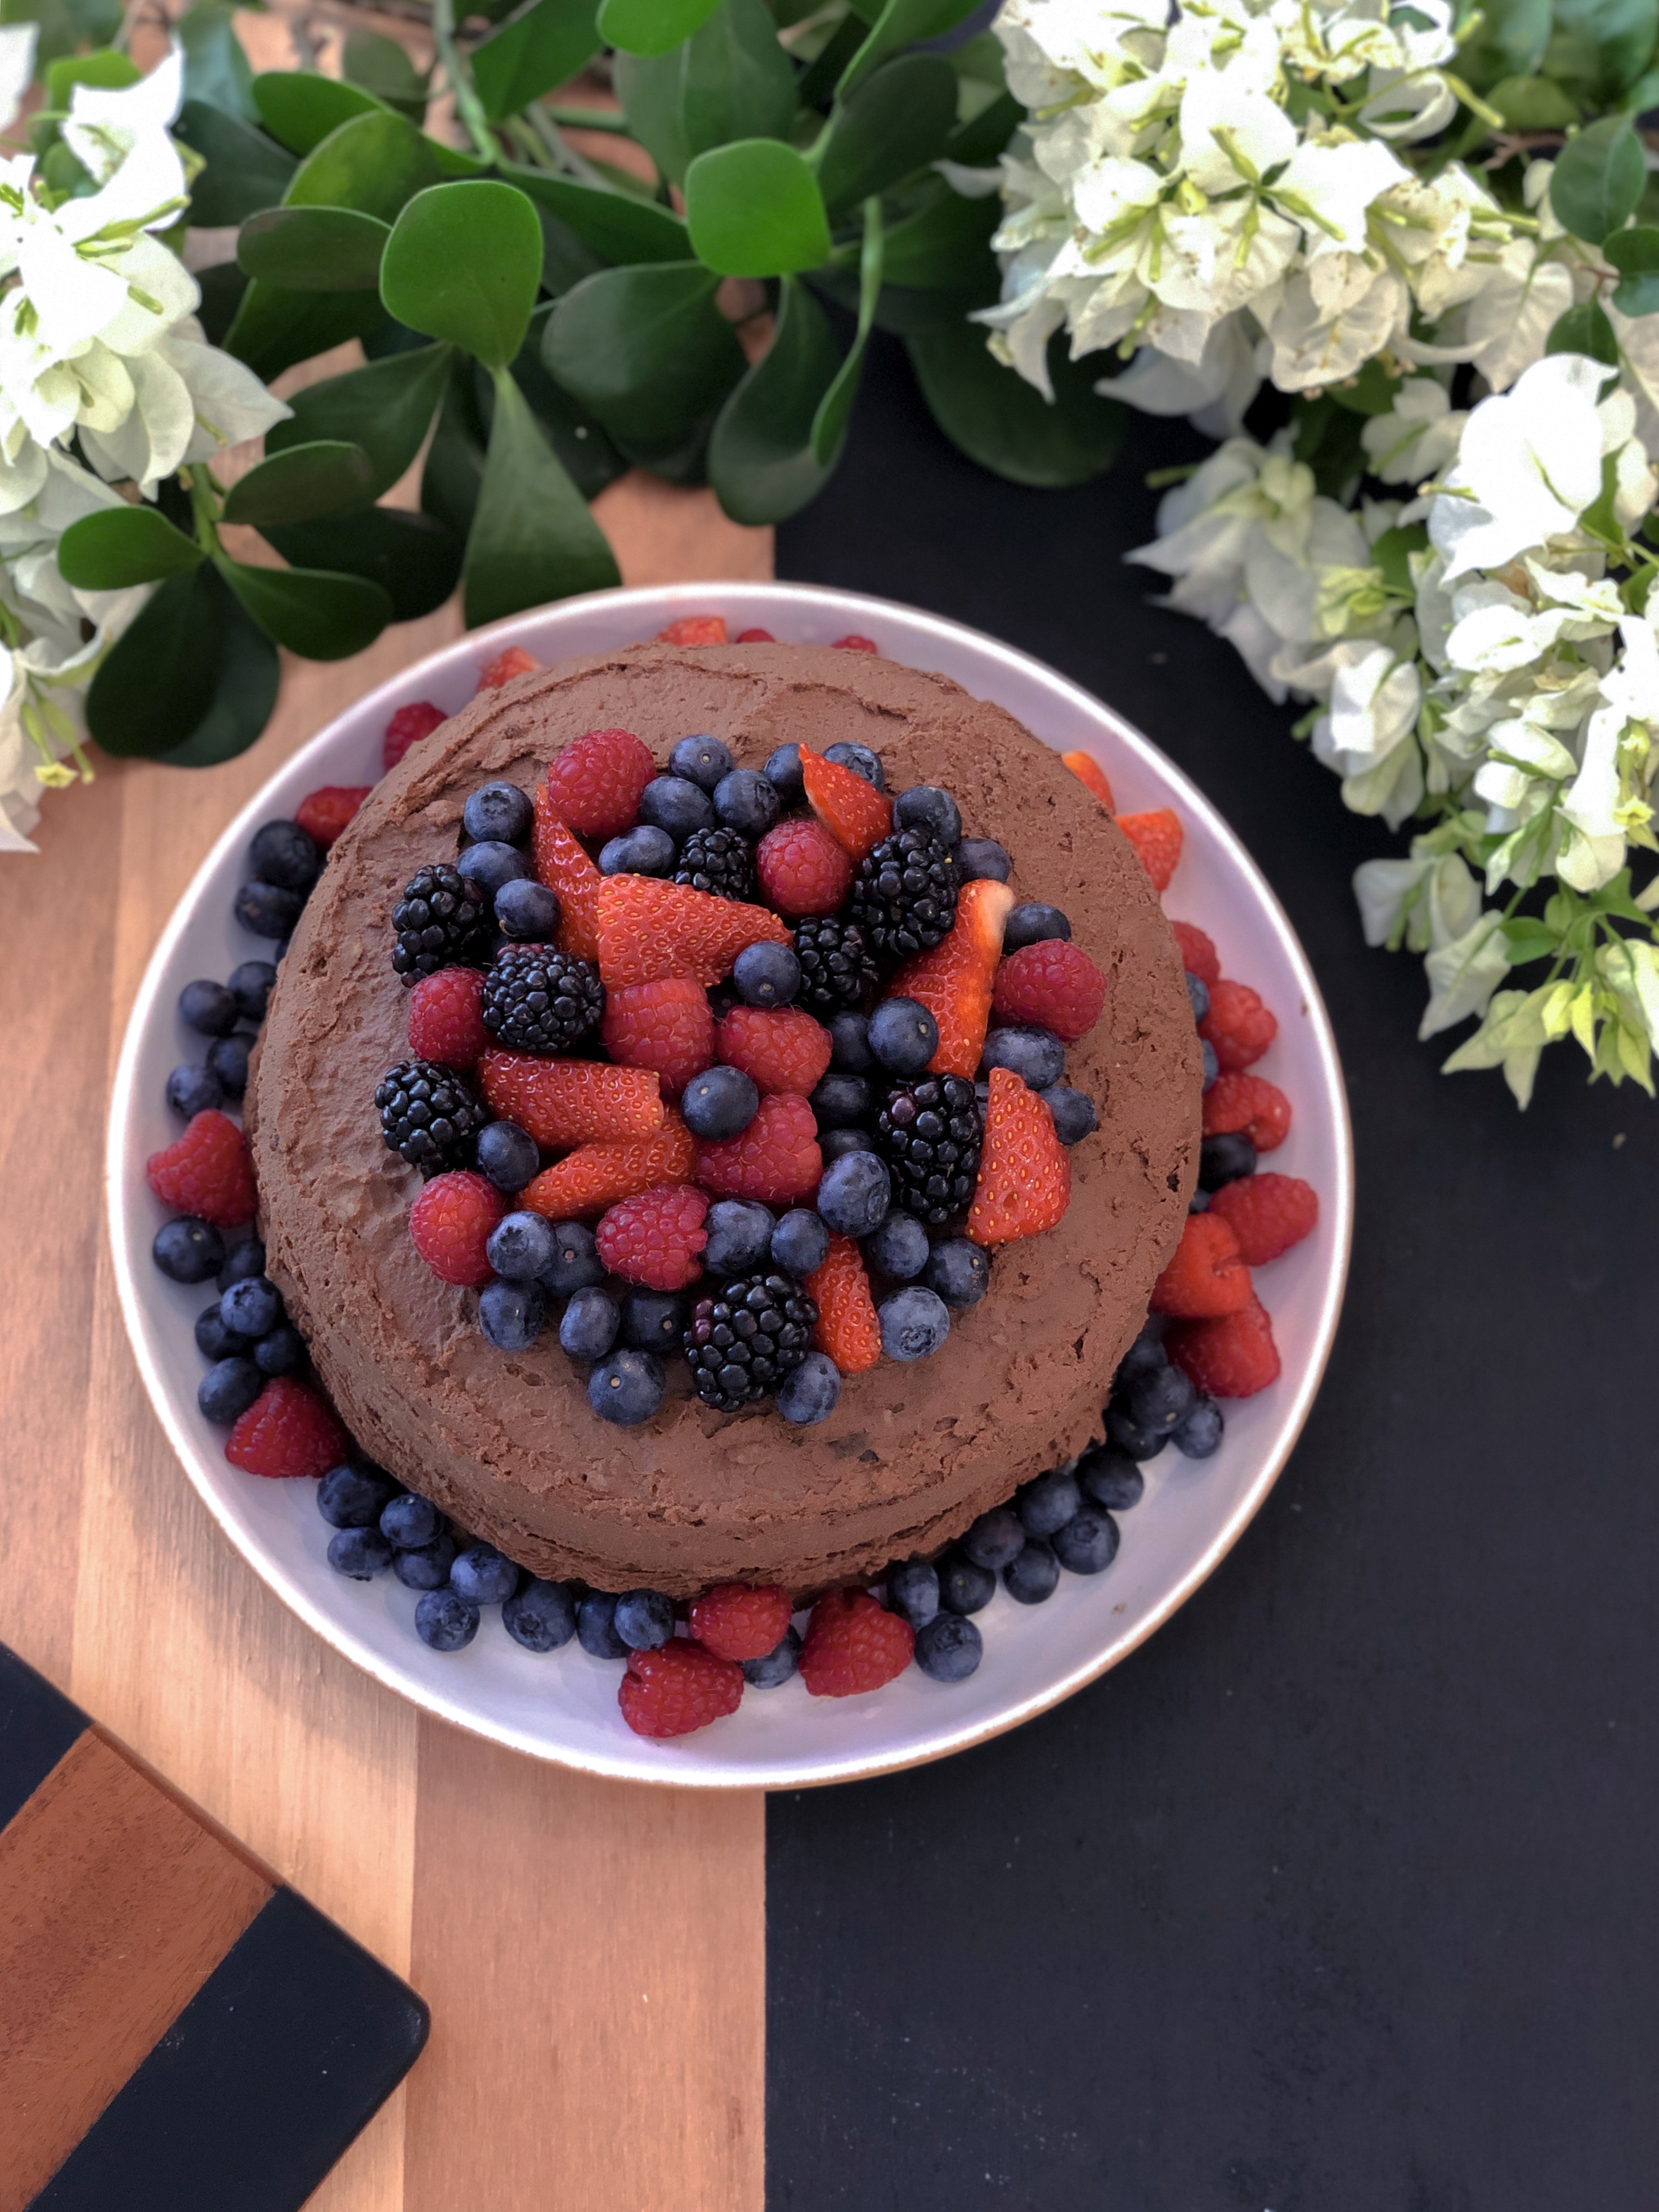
913 1452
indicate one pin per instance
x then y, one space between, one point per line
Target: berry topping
766 975
802 869
209 1008
594 784
777 1159
1036 1055
1026 1182
848 1329
1267 1213
595 1177
745 801
567 871
1088 770
959 1270
740 1233
667 1025
800 1243
856 815
856 1193
499 812
811 1393
444 1020
451 1223
1249 1103
754 637
702 761
1224 1159
626 1388
925 806
1156 838
676 804
1233 1356
536 999
902 1036
427 1113
572 1102
1206 1275
441 920
287 1430
982 858
267 909
206 1172
324 814
1053 984
735 1622
836 967
1198 954
930 1132
720 861
905 898
189 1251
681 1687
915 1323
782 771
694 630
655 1238
648 929
852 1645
508 1155
1076 1115
408 727
779 1049
507 665
719 1102
526 911
1238 1026
956 979
1033 923
743 1340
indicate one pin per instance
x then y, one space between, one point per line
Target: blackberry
439 920
536 999
743 1342
836 970
718 860
930 1132
904 894
427 1113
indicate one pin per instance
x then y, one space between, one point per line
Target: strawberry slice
572 1102
1024 1182
565 868
597 1177
648 928
856 815
848 1328
954 981
1087 770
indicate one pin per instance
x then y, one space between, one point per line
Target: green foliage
300 110
1003 424
754 210
121 546
1584 329
385 409
463 265
1598 178
533 53
245 171
532 537
381 68
646 350
415 561
621 228
314 249
320 613
1635 254
302 482
761 457
895 123
190 679
651 27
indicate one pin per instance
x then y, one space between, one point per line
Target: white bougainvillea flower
17 45
105 129
1528 465
1367 736
1464 974
1417 437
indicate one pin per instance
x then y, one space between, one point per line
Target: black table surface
1338 1896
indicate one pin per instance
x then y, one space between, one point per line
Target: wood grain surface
591 1951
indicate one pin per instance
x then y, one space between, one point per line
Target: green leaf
1598 178
1370 390
946 243
651 27
107 68
1527 939
901 23
245 171
578 438
1635 255
323 477
65 27
648 87
1584 329
978 142
1509 42
896 121
190 680
753 210
385 409
622 229
300 109
123 545
1533 103
318 612
532 537
453 473
645 350
465 264
836 408
761 461
222 286
533 54
736 81
1619 34
383 69
215 68
375 163
314 249
1005 423
273 328
415 561
1392 553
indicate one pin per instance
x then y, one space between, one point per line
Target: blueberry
210 1009
492 866
576 1262
1146 1353
1199 1436
627 1388
1198 993
1033 923
482 1576
511 1314
1036 1056
280 1351
963 1586
527 912
541 1617
915 1323
499 813
1110 1478
213 1339
228 1389
995 1538
855 1192
766 975
1130 1438
948 1648
898 1247
596 1627
836 1144
775 1666
719 1102
841 1101
443 1620
811 1393
363 1553
645 851
782 772
187 1250
850 1044
227 1058
981 860
1161 1399
739 1237
860 759
522 1247
1225 1159
800 1242
903 1037
407 1522
1031 1576
1199 1202
193 1088
243 1260
925 806
589 1326
426 1566
1087 1544
1074 1112
745 801
673 804
701 761
508 1155
283 853
251 986
913 1591
654 1320
1048 1502
252 1306
267 910
644 1619
1212 1064
959 1272
354 1497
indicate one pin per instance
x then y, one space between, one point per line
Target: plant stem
588 119
468 106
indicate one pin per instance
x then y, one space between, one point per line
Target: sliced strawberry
572 1102
956 979
1024 1182
594 1177
848 1328
856 815
648 928
564 867
1087 770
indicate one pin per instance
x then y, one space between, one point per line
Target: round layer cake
507 1443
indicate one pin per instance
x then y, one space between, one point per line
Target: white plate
563 1706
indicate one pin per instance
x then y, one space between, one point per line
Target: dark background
1338 1895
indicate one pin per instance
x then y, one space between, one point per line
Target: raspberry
1248 1103
667 1025
1267 1213
206 1172
777 1159
595 1177
323 814
853 643
735 1622
1237 1026
677 1688
655 1238
1198 954
694 630
506 667
408 727
450 1222
444 1023
754 637
1024 1182
802 869
595 783
1056 985
1087 770
1157 839
648 929
848 1328
856 815
954 981
853 1645
780 1048
1206 1276
572 1102
563 865
287 1430
1232 1356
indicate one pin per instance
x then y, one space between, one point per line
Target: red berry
323 814
1232 1356
802 868
677 1688
777 1159
206 1172
446 1020
572 1102
1024 1182
1056 985
1198 954
450 1222
595 782
564 867
1237 1026
694 630
848 1328
1248 1103
667 1024
854 812
1267 1213
287 1430
780 1048
649 929
1206 1275
954 981
595 1177
852 1645
735 1622
1087 770
507 665
1156 838
655 1238
853 643
408 727
755 637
